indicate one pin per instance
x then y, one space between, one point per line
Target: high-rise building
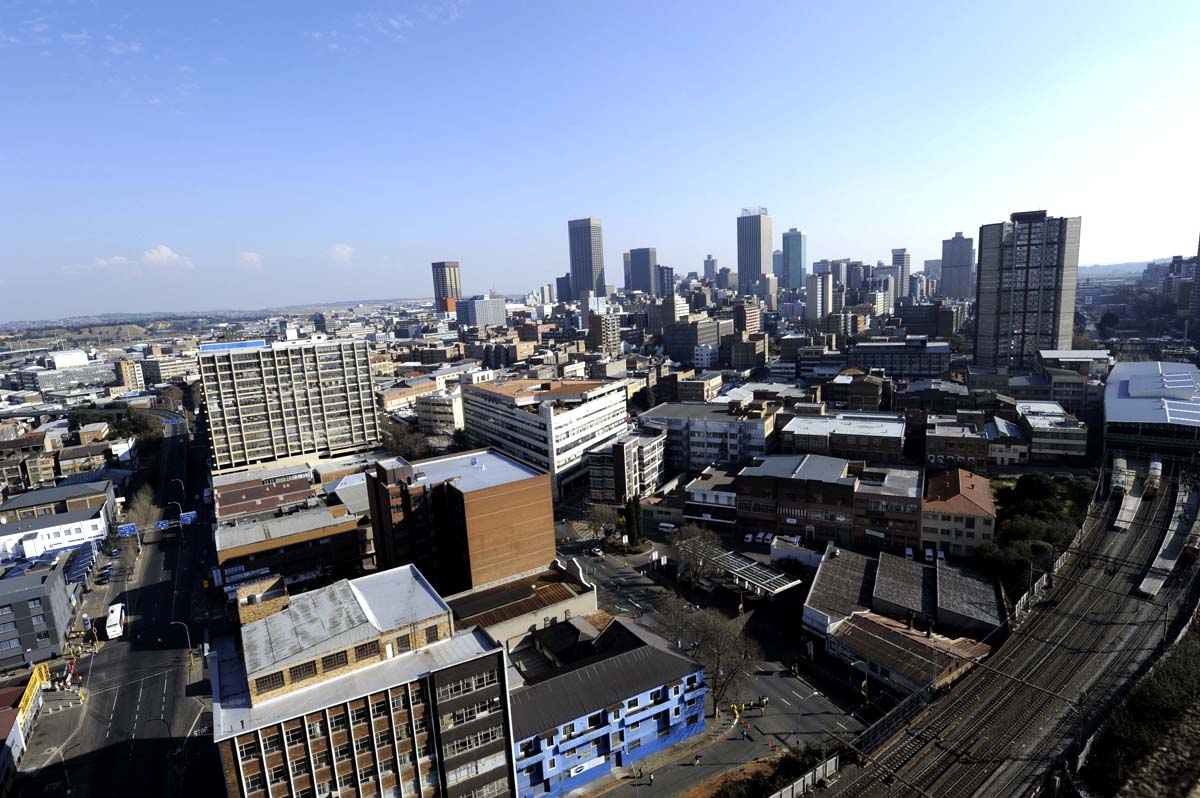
754 247
726 278
587 257
777 262
362 685
818 298
664 280
482 311
795 259
933 269
747 316
1025 299
130 374
563 288
628 273
642 264
446 284
710 268
902 263
856 272
958 267
836 268
604 334
267 401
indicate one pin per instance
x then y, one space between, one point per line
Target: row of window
467 685
308 670
7 609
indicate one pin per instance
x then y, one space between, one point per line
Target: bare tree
714 640
694 564
601 517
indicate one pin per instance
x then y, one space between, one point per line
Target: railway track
998 729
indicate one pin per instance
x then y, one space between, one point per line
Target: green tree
403 441
643 400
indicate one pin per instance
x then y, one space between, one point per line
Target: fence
808 781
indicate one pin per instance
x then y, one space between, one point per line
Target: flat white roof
1153 393
887 425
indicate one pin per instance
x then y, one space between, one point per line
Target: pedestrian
696 760
651 779
745 734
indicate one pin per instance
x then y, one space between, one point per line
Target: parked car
759 537
597 551
749 538
115 553
767 538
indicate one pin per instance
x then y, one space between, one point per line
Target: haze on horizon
169 158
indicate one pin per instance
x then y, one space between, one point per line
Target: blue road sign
188 518
162 524
127 529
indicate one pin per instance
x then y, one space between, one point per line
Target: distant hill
1099 270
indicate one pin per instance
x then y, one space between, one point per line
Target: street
144 700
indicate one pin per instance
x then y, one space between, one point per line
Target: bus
115 627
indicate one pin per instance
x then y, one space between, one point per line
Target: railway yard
1005 726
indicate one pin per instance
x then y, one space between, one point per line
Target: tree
688 544
1109 320
633 522
643 400
716 641
403 441
599 517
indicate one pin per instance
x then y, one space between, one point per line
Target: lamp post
188 631
66 773
182 487
178 506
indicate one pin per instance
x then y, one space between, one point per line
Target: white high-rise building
902 263
958 267
818 301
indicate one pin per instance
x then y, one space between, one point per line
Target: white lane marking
784 700
839 723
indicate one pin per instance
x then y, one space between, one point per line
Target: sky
189 156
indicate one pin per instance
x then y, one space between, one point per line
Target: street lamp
182 487
188 631
66 773
178 506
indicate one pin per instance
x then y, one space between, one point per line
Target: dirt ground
708 789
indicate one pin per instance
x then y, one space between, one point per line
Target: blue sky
171 156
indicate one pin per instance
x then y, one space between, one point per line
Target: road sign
188 518
162 524
127 529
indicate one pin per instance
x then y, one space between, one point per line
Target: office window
358 715
379 708
7 626
294 736
279 773
337 721
366 650
305 670
272 681
403 643
35 604
38 620
431 634
42 637
362 745
342 752
332 661
254 782
5 610
346 781
271 743
299 767
316 728
248 750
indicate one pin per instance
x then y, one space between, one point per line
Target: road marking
839 723
784 700
802 698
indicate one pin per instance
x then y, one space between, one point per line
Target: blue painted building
611 701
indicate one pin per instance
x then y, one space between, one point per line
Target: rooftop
513 599
476 470
26 525
276 528
843 583
905 583
713 411
801 466
959 492
887 425
42 496
714 478
339 615
1153 393
276 472
902 481
541 390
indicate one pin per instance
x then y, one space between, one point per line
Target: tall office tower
747 316
710 268
795 256
604 334
642 274
933 269
1026 295
837 268
362 687
854 275
446 284
267 401
587 257
902 263
482 311
664 280
725 278
628 274
563 288
754 247
958 267
917 287
818 301
777 262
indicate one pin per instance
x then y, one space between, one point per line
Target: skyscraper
587 257
795 258
710 268
754 247
664 280
482 311
958 267
818 302
933 269
777 262
1026 288
446 284
902 263
563 288
267 401
628 279
642 276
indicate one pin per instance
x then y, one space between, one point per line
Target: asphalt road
125 737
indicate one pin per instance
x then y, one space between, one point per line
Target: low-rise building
631 467
700 434
440 413
604 702
710 499
875 437
36 612
1052 432
960 439
914 357
887 508
806 496
64 499
700 388
263 489
81 459
1153 408
958 513
35 535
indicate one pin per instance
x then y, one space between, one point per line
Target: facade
64 499
664 280
902 264
958 267
33 536
468 520
631 467
887 508
440 413
874 437
260 490
958 513
1025 299
933 269
363 687
1151 408
37 378
1052 432
36 612
700 388
157 370
587 257
754 248
604 334
265 402
129 373
699 435
915 357
807 496
795 260
643 273
446 285
305 547
818 301
482 312
710 268
620 698
681 338
957 440
710 498
549 424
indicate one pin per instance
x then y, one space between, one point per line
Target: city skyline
305 181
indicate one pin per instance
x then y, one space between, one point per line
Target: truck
115 626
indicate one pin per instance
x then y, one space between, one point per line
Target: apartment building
700 388
914 357
157 370
958 513
363 687
468 520
701 434
874 437
440 413
550 424
887 508
260 490
807 496
36 612
631 467
64 499
265 402
1052 432
710 498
